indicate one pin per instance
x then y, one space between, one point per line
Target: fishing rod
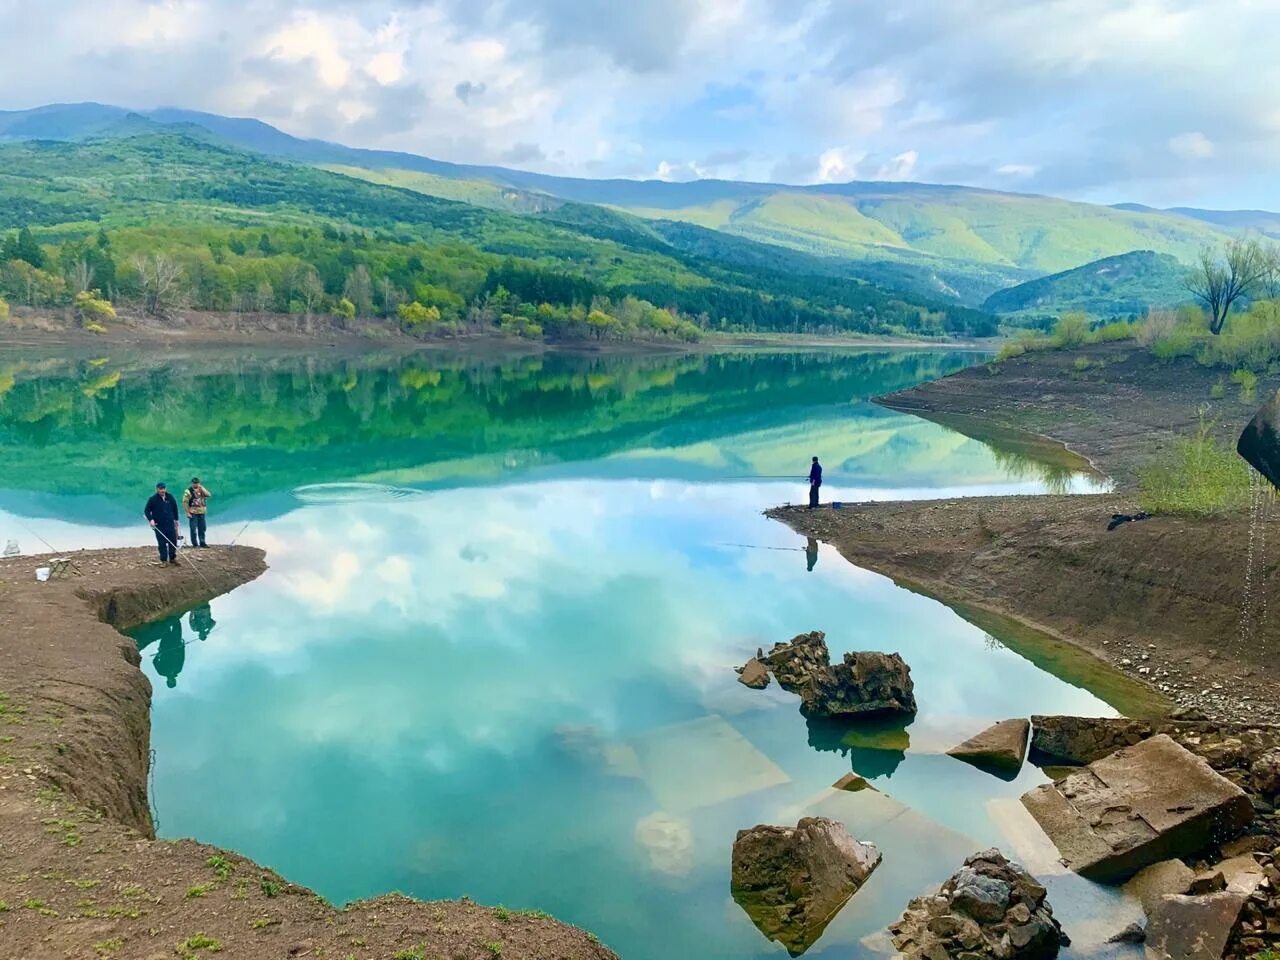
52 548
241 533
757 546
176 551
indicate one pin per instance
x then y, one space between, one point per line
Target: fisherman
161 512
195 502
815 481
811 554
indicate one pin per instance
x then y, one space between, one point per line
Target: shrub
1071 330
1180 342
1251 341
1198 477
4 309
1158 325
345 309
92 309
1112 332
1010 350
416 314
1247 380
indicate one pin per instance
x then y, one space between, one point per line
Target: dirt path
1166 600
81 875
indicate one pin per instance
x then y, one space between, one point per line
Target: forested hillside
169 217
1127 285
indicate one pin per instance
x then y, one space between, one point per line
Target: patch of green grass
220 865
116 911
502 913
536 914
198 890
261 922
270 887
107 947
1218 390
1071 330
189 947
495 949
1114 332
1198 477
413 953
4 906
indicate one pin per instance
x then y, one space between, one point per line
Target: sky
1165 102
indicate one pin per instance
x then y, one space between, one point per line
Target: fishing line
176 551
757 546
241 533
52 548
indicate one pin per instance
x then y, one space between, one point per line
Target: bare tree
392 296
359 290
1270 282
160 278
80 276
1219 281
310 288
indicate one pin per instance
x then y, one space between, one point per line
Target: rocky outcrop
990 908
863 684
1136 807
1198 925
1002 747
791 881
753 674
1076 741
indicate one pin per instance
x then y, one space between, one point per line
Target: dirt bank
80 873
1113 403
1172 602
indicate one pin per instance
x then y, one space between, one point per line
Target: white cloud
1193 145
1017 170
838 165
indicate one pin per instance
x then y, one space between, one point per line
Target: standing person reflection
811 553
201 621
172 653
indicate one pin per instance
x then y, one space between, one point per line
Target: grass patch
270 887
198 890
221 866
413 953
105 948
191 946
1247 381
1198 477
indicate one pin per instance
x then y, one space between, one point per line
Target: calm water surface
493 654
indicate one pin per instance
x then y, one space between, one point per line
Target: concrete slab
1001 748
702 763
1142 804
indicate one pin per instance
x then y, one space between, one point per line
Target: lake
493 655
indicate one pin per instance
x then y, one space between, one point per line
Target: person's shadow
172 652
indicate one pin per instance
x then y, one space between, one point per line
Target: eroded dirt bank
80 873
1170 601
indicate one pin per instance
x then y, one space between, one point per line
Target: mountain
246 227
1113 286
947 242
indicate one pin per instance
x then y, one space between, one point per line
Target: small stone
1133 933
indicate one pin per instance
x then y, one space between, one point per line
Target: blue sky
1158 101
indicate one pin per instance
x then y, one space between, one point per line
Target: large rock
1075 741
1266 773
1198 927
1158 880
791 881
990 908
1259 443
862 684
753 674
1001 747
1146 803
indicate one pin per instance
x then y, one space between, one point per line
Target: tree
80 276
416 314
1219 281
345 309
24 247
159 281
359 290
310 288
1270 282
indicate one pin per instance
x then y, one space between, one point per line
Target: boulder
1075 741
990 908
791 881
753 674
1166 877
1259 443
853 783
1194 928
1265 771
863 684
1140 805
793 663
1000 747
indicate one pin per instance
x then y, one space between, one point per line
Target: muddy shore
81 874
1163 600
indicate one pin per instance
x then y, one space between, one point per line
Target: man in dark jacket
162 513
815 482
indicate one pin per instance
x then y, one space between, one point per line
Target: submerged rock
1076 741
991 907
1136 807
1002 746
861 684
791 881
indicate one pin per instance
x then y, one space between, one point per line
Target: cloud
1191 146
805 89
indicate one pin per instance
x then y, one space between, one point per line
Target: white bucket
42 574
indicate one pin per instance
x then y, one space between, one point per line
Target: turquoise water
500 665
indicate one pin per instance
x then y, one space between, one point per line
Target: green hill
1113 286
243 225
948 242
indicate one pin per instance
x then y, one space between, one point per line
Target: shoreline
199 330
83 873
1163 601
